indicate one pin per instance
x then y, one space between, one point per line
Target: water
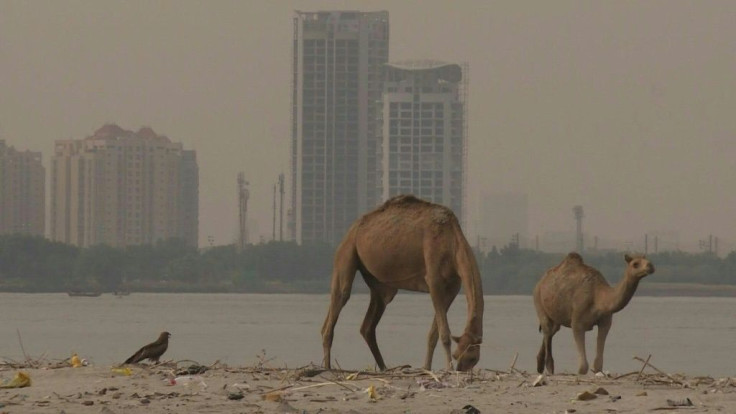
696 336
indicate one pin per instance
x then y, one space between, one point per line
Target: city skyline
621 108
121 188
22 191
338 60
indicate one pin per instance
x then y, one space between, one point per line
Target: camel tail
540 328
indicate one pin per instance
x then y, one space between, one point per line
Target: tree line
35 264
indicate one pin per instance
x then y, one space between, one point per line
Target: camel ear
456 339
627 258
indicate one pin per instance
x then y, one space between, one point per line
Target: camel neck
474 296
621 294
471 283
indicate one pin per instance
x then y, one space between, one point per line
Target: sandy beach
263 389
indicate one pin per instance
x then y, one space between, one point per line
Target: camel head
467 352
638 266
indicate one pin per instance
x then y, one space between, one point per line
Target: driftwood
646 362
643 366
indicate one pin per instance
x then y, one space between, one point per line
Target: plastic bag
123 371
75 361
20 380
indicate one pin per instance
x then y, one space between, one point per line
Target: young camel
575 295
414 245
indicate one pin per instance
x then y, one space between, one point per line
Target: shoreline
263 389
651 289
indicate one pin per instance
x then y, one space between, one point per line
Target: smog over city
623 108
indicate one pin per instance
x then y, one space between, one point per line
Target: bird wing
137 357
151 351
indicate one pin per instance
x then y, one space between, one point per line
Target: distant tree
99 265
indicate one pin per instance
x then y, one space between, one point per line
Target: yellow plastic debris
371 391
75 361
123 371
20 380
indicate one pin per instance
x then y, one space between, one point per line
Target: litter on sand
20 380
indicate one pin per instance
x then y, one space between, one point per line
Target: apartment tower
22 192
338 59
423 132
120 188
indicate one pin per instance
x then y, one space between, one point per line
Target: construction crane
243 195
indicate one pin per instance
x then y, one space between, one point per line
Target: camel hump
404 199
574 257
408 202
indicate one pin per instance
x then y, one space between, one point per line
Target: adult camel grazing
575 295
410 244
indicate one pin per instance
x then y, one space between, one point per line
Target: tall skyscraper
22 191
121 188
338 59
423 132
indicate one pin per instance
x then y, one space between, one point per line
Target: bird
152 351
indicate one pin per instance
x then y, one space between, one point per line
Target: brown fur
409 244
575 295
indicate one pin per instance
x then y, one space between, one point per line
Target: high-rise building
22 191
120 188
423 132
338 59
189 202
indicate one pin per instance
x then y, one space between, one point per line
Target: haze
626 108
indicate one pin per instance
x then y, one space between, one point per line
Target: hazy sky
627 108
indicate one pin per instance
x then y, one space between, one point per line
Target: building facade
120 188
423 132
22 191
338 59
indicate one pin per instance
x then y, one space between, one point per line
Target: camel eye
636 265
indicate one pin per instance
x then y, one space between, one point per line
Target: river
689 335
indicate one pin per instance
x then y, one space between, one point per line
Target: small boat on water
121 293
83 293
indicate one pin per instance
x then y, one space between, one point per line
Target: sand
97 389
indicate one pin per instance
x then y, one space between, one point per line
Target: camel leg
544 357
434 334
541 355
441 302
342 282
579 335
381 296
603 327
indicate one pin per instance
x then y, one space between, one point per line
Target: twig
20 340
643 366
432 374
627 374
658 370
397 367
322 384
513 363
343 385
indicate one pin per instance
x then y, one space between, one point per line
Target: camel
575 295
409 244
